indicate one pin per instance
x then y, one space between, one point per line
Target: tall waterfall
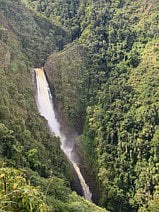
46 109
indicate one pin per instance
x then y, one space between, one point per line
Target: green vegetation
34 173
119 86
106 86
16 194
36 35
68 68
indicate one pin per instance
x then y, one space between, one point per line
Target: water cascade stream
46 109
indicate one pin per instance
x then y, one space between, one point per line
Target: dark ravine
46 109
86 171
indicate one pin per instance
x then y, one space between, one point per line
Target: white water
46 109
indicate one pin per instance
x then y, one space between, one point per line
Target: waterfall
46 109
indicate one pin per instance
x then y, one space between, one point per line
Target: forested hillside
34 173
111 71
104 70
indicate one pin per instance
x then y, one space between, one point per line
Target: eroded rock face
4 56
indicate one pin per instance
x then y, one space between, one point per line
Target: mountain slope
32 166
120 70
105 84
37 36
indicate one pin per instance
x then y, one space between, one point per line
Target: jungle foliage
34 172
119 83
106 84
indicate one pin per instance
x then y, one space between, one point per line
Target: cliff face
68 75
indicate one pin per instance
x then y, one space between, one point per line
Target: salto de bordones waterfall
46 108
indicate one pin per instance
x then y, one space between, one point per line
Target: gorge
46 108
101 61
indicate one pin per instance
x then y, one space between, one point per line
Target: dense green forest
102 61
34 173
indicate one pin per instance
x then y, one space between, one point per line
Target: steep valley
101 59
31 161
